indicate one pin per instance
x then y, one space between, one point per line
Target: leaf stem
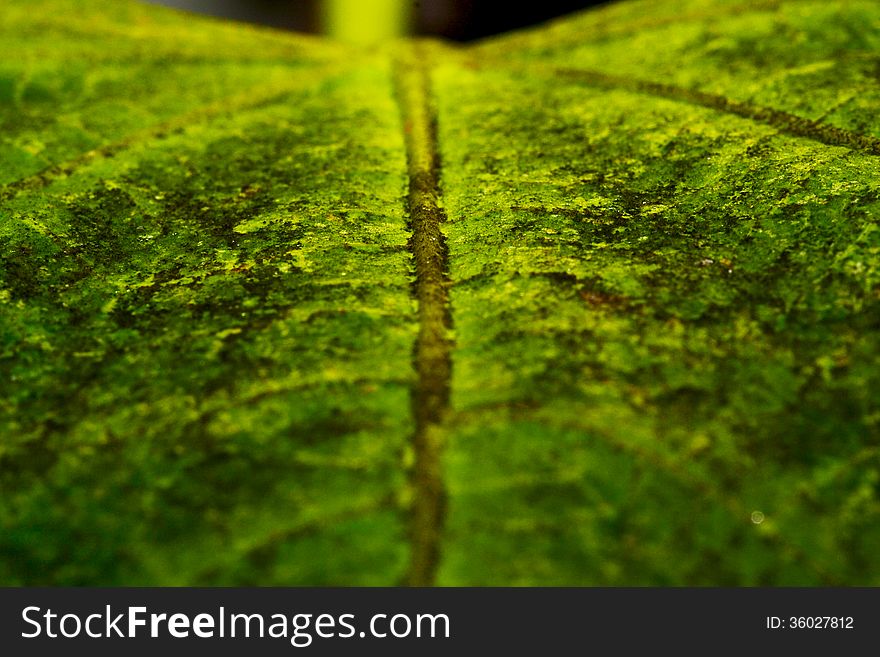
366 22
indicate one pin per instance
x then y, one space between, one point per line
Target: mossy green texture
206 337
665 307
668 360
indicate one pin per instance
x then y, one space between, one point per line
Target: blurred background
460 20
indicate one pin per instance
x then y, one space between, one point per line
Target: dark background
461 20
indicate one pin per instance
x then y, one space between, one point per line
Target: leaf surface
595 303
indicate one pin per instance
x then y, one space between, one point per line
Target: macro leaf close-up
595 303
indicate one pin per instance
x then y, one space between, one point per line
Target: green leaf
593 304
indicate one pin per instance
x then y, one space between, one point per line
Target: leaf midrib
432 354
